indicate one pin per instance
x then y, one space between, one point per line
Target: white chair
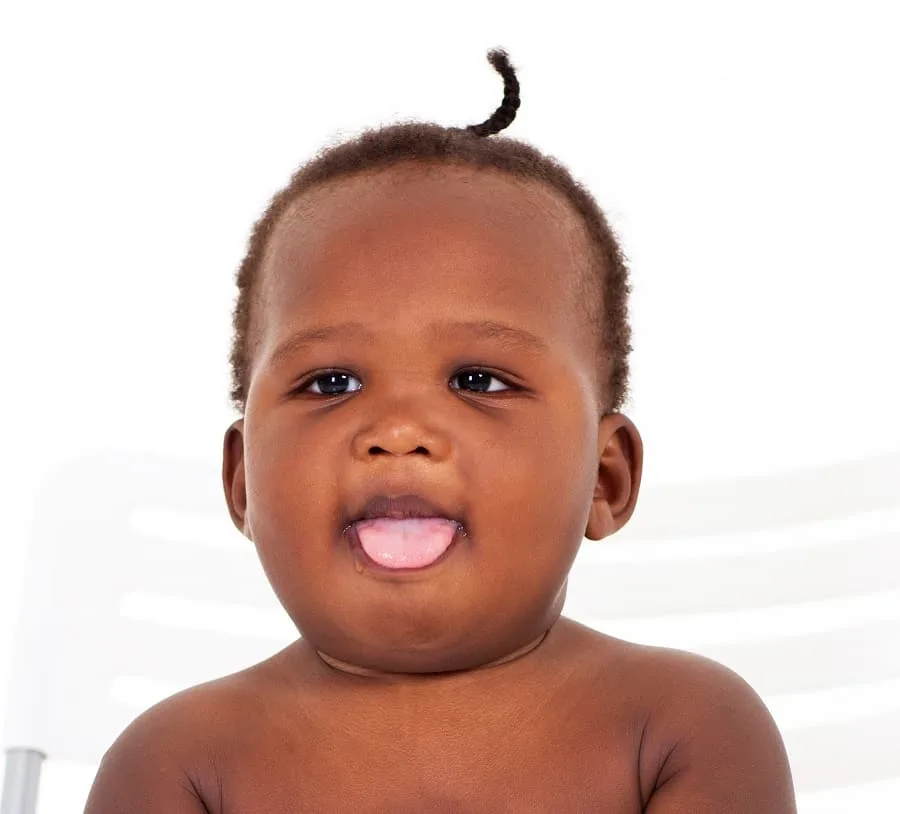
138 586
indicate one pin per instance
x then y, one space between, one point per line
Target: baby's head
427 311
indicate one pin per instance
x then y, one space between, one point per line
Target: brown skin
457 688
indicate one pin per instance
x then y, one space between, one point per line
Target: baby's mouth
406 532
405 543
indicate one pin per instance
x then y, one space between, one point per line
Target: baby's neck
331 693
385 677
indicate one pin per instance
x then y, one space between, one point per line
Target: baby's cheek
559 479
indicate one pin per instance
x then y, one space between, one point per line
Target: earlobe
600 521
621 453
234 478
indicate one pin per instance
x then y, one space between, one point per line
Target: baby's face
404 265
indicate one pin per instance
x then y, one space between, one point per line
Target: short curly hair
607 291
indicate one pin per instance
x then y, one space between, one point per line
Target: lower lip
370 565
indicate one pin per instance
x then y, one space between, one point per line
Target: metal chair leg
20 785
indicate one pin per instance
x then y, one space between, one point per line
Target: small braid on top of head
503 116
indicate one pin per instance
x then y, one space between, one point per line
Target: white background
746 152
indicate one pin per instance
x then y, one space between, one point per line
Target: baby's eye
480 381
332 382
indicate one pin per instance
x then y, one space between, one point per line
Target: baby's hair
605 292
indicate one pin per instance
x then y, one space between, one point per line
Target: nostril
382 451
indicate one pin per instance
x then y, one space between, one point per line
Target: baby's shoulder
645 678
168 755
671 678
703 730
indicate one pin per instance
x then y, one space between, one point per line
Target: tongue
412 543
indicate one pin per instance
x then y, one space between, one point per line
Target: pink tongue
412 543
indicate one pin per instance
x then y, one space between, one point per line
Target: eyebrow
506 335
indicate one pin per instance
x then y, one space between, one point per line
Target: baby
430 358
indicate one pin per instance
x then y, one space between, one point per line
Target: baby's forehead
433 214
458 241
502 198
456 228
445 240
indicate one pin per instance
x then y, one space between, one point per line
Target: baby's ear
234 478
621 454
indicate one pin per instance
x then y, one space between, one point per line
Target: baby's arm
150 769
719 749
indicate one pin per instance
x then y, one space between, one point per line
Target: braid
503 116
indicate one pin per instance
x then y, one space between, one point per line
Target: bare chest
537 764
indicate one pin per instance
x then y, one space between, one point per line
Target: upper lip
401 507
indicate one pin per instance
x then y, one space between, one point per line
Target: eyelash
303 387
